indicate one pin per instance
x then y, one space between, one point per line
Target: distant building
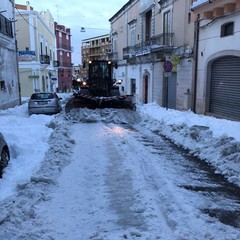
95 48
37 50
64 57
9 80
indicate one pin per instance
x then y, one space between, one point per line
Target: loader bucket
86 101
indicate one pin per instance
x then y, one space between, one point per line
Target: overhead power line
25 19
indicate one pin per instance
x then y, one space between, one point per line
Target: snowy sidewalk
213 140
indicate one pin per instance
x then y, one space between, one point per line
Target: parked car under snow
4 154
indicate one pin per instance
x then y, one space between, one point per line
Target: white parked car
44 103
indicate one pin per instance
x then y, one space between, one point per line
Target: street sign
167 66
175 60
167 74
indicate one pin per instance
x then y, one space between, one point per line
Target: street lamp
83 29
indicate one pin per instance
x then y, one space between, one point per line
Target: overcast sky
94 15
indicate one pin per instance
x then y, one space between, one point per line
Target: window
166 22
227 29
41 48
166 28
148 25
115 44
132 36
6 26
2 85
133 86
132 32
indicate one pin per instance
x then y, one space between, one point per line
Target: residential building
218 57
64 57
152 42
37 50
95 48
9 80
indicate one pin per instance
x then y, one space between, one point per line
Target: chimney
28 5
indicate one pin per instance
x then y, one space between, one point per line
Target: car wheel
5 157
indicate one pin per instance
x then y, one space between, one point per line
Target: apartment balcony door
148 25
166 28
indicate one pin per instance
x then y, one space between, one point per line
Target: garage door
225 87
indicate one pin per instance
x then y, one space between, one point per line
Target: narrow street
106 177
124 183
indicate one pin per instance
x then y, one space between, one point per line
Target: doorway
146 89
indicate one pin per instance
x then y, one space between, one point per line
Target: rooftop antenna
57 14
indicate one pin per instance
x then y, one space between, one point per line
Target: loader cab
100 78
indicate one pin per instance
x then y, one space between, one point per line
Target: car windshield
42 96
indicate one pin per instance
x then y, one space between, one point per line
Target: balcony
65 64
44 59
64 47
199 3
55 63
162 42
210 9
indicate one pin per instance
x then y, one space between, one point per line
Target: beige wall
120 27
182 29
30 35
149 64
23 34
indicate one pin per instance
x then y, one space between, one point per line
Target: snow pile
37 176
17 212
216 141
204 137
107 115
27 138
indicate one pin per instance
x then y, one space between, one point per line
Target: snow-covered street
111 174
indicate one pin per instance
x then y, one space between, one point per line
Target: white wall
9 97
211 46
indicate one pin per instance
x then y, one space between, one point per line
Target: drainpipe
16 52
196 40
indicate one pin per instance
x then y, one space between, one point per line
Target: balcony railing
64 46
199 3
65 64
44 59
158 43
